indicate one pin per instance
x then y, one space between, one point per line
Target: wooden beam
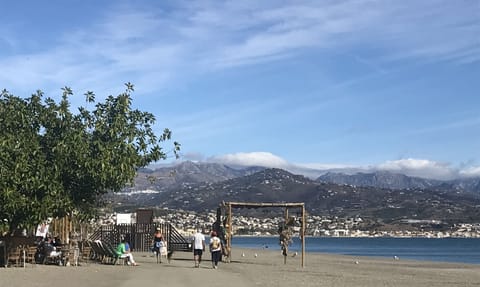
263 204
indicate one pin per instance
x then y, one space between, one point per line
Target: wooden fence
140 236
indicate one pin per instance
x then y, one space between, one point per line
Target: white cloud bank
251 159
412 167
420 168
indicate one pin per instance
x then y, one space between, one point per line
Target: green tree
55 162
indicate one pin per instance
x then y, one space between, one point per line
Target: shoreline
368 237
461 250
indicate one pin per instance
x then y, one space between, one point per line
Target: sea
460 250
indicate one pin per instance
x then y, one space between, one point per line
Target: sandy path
267 269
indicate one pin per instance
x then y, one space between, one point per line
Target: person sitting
123 253
50 252
57 242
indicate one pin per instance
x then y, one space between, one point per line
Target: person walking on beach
159 244
158 236
157 241
198 247
215 249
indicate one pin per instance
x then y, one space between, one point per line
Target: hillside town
187 223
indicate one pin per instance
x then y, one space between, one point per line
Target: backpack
215 244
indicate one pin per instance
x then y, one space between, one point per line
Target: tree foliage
55 162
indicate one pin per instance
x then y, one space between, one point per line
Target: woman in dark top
158 244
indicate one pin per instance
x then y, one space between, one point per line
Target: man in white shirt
198 247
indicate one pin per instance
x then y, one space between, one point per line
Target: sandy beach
265 269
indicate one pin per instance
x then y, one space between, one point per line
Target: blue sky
389 85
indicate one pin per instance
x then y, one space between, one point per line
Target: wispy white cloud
123 47
400 29
206 122
470 122
156 49
130 41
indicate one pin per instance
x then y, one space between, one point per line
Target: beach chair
123 260
86 253
70 256
14 257
112 254
30 252
98 252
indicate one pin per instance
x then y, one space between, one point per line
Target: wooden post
70 233
64 230
285 253
303 235
230 231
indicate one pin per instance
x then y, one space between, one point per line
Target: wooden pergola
230 205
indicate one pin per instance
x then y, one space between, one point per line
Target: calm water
466 250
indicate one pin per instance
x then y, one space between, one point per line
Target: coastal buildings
187 222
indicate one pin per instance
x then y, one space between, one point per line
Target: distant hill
383 179
380 179
464 184
187 173
389 206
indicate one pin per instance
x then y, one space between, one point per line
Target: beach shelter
229 228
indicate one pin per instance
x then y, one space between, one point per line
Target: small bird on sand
356 262
395 257
294 254
243 254
255 255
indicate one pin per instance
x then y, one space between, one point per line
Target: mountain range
188 172
383 197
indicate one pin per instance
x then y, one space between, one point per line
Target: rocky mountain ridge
185 173
382 205
189 172
383 179
379 179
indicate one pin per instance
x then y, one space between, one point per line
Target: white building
124 218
